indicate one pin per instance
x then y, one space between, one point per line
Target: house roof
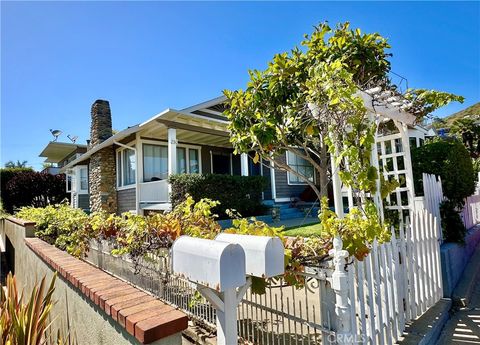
56 151
186 117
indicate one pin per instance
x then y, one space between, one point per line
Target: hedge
6 174
31 188
240 193
449 159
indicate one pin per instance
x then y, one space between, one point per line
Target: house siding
126 200
283 189
84 201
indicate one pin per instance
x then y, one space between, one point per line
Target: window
128 173
84 179
69 183
155 162
181 160
413 142
301 166
193 161
126 167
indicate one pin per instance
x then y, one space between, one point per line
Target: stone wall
102 175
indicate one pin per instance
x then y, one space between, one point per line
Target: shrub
240 193
450 159
6 174
30 322
30 188
452 226
57 224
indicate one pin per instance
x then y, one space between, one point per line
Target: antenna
72 139
56 133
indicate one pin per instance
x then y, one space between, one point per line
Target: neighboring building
59 155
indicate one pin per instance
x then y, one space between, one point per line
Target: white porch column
172 151
244 164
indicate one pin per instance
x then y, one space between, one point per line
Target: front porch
173 143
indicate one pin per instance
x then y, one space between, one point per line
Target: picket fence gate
397 282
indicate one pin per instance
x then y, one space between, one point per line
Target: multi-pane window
155 162
301 166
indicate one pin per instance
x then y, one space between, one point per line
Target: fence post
340 287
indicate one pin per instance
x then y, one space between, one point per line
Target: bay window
301 166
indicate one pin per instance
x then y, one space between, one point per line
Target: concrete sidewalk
464 325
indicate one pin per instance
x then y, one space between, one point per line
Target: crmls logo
347 338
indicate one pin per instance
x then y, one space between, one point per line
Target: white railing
155 191
471 211
397 282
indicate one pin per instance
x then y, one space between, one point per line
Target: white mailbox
214 264
264 255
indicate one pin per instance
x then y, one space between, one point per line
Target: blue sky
58 57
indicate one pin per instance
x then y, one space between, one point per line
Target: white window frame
80 189
119 168
299 183
179 145
69 176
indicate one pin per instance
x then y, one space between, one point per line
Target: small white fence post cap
217 265
264 255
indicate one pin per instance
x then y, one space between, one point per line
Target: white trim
273 185
119 174
288 173
128 186
282 199
231 164
206 104
244 164
212 112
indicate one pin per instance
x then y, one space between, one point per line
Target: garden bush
452 225
31 188
240 193
6 174
451 160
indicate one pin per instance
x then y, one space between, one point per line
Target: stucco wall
88 322
454 259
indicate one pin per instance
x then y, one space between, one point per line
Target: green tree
468 131
307 101
18 164
449 159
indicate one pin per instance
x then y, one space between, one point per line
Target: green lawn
303 231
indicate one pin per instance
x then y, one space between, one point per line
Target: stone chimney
101 128
102 176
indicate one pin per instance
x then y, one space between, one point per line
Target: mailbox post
220 267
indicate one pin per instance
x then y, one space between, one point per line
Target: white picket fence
471 211
397 282
433 196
